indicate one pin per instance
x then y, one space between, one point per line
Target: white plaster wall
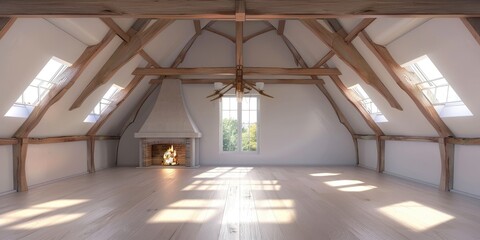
467 163
25 49
128 150
105 154
48 162
457 55
419 161
6 168
297 122
367 153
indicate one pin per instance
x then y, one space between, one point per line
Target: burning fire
170 156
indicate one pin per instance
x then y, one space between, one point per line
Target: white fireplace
169 123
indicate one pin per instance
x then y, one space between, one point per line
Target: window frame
365 100
41 86
239 124
103 104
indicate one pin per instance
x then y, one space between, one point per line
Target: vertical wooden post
380 154
19 159
446 156
355 143
91 154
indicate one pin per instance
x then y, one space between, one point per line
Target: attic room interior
239 119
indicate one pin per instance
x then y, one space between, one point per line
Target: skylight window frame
368 104
107 100
422 76
22 108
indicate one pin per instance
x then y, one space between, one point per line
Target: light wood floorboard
238 203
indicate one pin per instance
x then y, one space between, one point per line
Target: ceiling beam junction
124 53
350 56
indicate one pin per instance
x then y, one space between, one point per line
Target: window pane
30 96
428 68
230 134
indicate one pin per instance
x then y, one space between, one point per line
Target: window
436 88
104 103
38 88
239 118
368 104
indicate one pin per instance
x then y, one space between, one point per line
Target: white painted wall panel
466 177
48 162
105 154
25 49
6 168
298 127
419 161
367 152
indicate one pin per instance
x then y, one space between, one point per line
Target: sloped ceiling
31 42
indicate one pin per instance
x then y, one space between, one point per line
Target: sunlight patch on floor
48 221
361 188
38 209
324 174
341 183
415 216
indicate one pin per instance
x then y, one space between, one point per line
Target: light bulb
239 96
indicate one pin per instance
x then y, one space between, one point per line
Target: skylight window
104 103
368 104
436 88
38 88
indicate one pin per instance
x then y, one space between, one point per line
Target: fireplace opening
168 154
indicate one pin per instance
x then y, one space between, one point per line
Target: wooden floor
238 203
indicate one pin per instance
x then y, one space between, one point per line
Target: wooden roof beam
124 53
231 71
229 80
240 6
126 38
258 33
473 26
401 76
349 54
5 24
348 38
224 9
220 33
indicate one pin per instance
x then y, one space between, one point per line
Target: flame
170 156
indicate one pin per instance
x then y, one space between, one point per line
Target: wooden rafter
231 71
401 76
281 27
198 26
354 101
117 100
126 38
229 80
349 54
471 23
238 43
240 6
224 9
348 38
258 33
220 33
5 24
64 82
124 53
